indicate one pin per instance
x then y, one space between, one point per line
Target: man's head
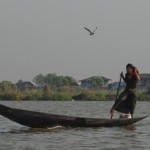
129 65
129 68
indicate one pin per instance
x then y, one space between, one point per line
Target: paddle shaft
118 88
117 92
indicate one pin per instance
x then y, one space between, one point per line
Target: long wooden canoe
43 120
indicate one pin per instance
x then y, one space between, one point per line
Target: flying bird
91 32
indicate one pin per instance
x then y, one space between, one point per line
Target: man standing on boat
126 102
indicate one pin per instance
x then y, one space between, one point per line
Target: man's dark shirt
130 83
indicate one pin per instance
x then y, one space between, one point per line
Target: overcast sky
48 36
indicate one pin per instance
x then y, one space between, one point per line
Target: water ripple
15 136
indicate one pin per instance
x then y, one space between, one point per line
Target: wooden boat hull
43 120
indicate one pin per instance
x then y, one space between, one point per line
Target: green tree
7 85
53 80
20 81
39 80
96 82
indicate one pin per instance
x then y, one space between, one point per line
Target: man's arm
137 74
122 76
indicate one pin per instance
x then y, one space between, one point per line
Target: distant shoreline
66 95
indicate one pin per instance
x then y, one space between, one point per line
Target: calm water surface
17 137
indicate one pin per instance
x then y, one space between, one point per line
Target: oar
117 92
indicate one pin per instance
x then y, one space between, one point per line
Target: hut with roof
144 83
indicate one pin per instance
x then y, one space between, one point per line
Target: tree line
40 80
60 89
54 81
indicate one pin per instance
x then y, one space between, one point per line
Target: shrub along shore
66 95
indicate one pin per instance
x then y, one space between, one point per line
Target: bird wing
95 29
87 29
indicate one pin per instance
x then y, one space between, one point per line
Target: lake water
17 137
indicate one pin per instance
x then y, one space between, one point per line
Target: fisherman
126 101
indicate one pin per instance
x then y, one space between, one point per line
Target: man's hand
121 75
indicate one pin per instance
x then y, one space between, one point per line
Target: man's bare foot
125 116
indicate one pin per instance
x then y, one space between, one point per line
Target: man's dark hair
129 65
